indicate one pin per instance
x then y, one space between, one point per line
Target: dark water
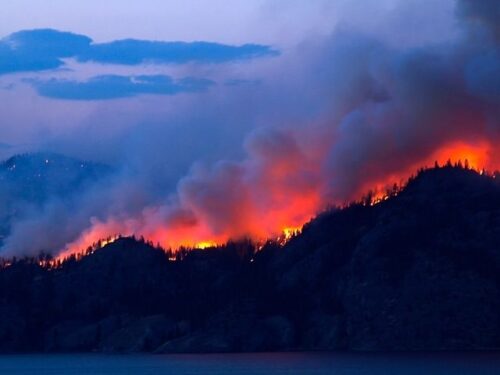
258 364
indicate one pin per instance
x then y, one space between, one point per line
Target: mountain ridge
417 271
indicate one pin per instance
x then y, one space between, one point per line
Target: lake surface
255 364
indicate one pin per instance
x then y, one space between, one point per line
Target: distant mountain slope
33 179
418 271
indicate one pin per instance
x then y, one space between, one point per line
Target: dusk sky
282 22
271 24
280 105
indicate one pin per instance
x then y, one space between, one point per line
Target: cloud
115 86
37 50
43 49
48 42
134 52
241 82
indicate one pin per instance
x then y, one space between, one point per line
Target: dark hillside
420 270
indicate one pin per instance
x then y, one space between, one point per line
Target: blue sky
231 22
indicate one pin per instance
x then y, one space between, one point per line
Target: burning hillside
461 156
333 119
387 112
431 249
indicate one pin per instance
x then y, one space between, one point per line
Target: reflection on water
255 364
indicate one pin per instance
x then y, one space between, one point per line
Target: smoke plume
326 122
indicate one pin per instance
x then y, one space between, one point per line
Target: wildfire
77 249
287 234
205 245
476 156
290 232
284 210
379 198
108 241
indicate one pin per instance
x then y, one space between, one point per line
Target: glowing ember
378 198
288 234
205 245
108 241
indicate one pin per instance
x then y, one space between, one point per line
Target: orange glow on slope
477 156
94 238
283 222
280 211
288 234
205 245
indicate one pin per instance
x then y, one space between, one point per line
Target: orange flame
205 245
286 215
288 234
477 156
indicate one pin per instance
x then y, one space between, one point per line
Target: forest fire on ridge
478 157
286 221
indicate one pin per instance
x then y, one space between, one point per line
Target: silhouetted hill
420 270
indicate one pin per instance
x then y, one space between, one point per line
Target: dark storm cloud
42 49
115 86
